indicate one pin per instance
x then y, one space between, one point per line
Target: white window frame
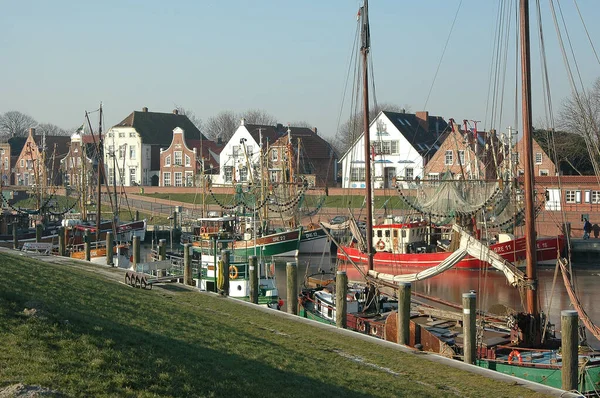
168 160
395 147
132 176
449 158
357 173
461 156
177 158
572 196
178 178
243 174
189 178
274 154
122 151
544 172
409 173
595 197
228 173
167 179
188 161
538 158
131 152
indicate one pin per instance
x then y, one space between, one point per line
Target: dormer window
274 155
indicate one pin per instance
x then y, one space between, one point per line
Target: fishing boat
524 346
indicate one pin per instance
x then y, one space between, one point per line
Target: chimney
32 131
314 130
175 111
279 127
220 140
423 118
144 109
242 122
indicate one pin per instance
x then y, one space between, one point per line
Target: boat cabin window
395 233
379 234
404 233
387 233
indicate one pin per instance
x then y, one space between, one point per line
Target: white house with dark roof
132 147
401 145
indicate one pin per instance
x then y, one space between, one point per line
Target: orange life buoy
233 272
380 245
202 230
513 354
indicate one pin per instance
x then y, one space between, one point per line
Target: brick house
181 164
542 164
77 165
467 154
5 163
29 169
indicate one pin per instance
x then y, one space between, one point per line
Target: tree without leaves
16 124
222 126
352 128
568 150
192 116
51 129
258 116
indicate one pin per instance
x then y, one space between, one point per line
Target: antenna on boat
364 49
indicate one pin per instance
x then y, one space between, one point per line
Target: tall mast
530 235
364 49
100 172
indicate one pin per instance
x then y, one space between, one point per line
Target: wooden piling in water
225 257
62 247
569 321
469 327
137 215
15 237
187 265
404 292
39 228
162 249
136 251
87 244
292 288
341 304
253 275
109 248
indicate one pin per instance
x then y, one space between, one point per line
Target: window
132 176
22 163
274 155
228 173
67 179
168 160
111 149
110 177
110 135
121 135
408 173
30 164
461 157
395 147
243 174
122 150
188 161
538 158
166 179
6 163
382 147
572 196
516 157
121 176
189 179
178 158
132 134
387 233
449 160
357 174
179 179
395 233
544 172
379 234
236 151
131 152
273 175
595 196
250 150
434 176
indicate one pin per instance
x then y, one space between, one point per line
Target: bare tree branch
51 129
16 124
258 116
222 125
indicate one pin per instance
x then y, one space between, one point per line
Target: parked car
338 220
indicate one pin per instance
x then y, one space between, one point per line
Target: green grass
100 338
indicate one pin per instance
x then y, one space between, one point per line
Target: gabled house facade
39 160
542 164
5 164
182 163
466 154
77 167
132 147
401 146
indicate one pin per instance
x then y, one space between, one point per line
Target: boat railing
93 245
550 358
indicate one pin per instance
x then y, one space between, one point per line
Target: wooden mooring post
109 248
469 327
225 257
569 321
187 265
292 288
87 244
253 275
162 249
62 246
39 228
136 251
341 303
404 292
15 237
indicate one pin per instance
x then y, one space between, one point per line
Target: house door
389 175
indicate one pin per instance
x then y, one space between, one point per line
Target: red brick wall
177 144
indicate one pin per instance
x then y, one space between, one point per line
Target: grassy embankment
91 336
340 202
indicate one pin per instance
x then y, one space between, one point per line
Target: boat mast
364 49
530 235
100 170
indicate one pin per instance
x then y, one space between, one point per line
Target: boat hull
314 241
278 244
548 250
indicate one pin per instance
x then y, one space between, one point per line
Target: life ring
233 272
202 230
360 325
380 245
513 354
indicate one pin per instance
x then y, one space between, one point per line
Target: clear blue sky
289 58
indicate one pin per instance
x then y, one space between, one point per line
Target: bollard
226 260
137 215
253 274
162 249
39 228
62 247
87 244
15 238
109 248
341 304
187 265
569 321
136 251
469 327
292 288
404 292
